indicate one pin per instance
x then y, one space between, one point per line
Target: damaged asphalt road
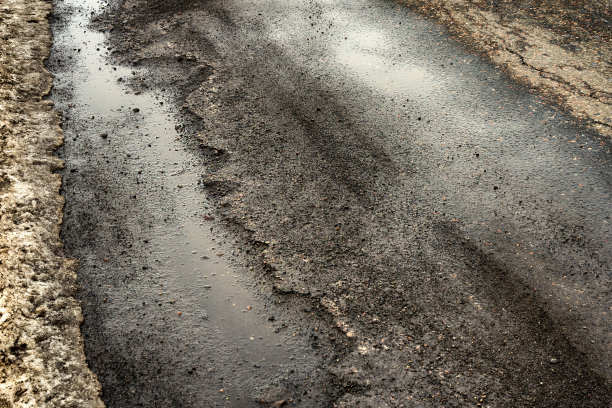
397 223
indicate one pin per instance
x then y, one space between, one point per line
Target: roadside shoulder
42 362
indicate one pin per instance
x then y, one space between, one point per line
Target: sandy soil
41 352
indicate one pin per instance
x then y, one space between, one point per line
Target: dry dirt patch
41 351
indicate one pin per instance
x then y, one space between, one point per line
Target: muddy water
155 269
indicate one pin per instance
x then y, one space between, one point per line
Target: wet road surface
158 282
432 233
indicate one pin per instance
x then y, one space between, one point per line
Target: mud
447 230
41 350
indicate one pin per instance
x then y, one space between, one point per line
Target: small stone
554 361
103 135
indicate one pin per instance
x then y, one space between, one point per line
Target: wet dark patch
334 184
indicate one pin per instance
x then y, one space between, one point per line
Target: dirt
444 239
42 362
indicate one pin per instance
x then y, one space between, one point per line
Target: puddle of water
192 260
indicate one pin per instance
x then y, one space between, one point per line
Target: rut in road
171 318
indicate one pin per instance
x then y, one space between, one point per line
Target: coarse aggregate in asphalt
434 234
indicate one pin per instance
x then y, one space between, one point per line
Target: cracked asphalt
559 48
423 229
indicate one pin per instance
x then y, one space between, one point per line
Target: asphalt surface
424 231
